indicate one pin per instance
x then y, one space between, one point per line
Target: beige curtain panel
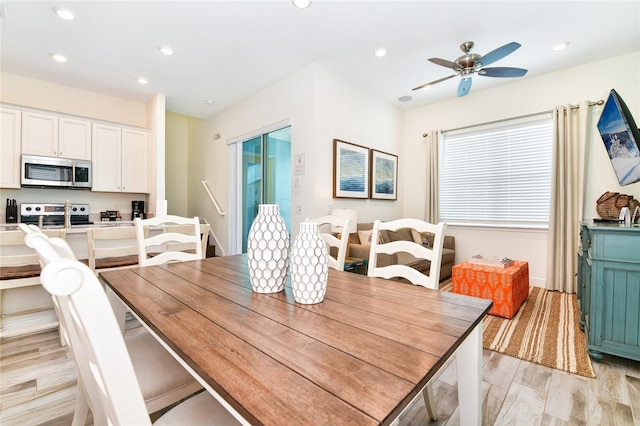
567 195
431 198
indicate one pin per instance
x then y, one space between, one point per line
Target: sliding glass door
266 177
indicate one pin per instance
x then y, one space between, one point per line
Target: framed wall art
384 176
350 170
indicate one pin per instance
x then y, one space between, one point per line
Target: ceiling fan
471 63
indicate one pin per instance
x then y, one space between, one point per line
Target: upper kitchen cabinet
120 159
10 124
135 160
54 136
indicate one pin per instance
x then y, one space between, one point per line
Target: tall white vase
268 250
309 265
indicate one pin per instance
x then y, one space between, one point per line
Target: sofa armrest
450 242
358 251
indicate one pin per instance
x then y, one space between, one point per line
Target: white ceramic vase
268 250
309 265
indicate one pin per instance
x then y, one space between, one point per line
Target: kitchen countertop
74 229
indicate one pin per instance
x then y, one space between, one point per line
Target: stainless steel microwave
42 172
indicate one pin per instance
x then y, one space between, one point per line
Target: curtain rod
599 102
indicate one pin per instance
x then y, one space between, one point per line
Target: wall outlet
298 209
329 209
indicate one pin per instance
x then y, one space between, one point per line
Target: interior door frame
235 181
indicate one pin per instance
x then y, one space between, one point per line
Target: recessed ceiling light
405 98
166 50
209 101
58 57
64 14
142 80
380 52
560 46
301 4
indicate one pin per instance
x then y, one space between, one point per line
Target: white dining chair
102 359
20 268
162 380
152 250
340 244
112 247
189 230
432 254
430 280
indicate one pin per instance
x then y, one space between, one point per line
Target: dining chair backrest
331 240
157 244
57 247
112 247
97 345
188 229
433 253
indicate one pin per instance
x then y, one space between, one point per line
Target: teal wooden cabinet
609 289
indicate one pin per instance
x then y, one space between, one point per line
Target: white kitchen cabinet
55 136
10 127
39 134
120 159
74 138
135 160
106 158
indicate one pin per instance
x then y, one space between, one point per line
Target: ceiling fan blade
502 72
445 63
499 53
464 86
434 82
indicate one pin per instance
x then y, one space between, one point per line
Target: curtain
431 197
567 195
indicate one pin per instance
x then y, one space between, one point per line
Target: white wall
320 107
525 96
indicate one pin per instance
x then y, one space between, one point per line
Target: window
498 174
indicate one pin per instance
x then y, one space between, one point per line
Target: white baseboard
537 282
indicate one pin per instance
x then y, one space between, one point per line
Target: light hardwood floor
38 387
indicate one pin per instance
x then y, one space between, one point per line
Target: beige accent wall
177 163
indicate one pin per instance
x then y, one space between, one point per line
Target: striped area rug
545 331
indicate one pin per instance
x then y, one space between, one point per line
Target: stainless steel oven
41 172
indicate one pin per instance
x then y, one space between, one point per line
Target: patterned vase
309 265
268 250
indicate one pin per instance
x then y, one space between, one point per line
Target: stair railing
220 212
212 198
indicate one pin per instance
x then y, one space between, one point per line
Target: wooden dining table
359 357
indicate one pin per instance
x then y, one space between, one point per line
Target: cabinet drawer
616 245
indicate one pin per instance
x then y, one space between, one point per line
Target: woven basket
609 204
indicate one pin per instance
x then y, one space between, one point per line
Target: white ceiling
227 50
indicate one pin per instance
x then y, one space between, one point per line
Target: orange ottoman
507 287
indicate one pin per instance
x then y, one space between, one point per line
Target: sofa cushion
365 237
421 238
403 234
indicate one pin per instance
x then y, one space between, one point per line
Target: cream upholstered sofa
356 249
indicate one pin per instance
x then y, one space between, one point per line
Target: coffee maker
137 209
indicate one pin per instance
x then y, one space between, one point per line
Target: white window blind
498 174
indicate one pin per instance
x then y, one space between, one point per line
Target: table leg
469 367
119 308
